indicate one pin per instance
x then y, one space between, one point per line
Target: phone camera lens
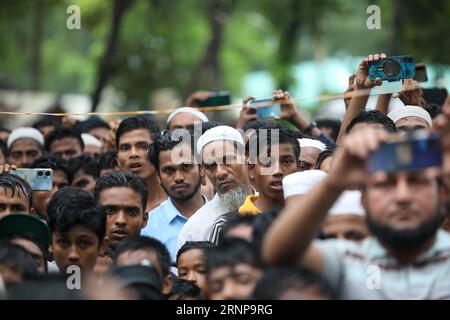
40 173
391 68
47 173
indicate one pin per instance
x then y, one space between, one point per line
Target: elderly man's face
411 123
182 121
224 165
404 204
308 158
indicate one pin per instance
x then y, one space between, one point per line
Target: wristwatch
311 126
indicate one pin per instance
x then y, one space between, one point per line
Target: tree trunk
36 51
105 66
208 73
397 23
288 45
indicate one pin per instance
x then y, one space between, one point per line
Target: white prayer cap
299 183
25 132
190 110
410 111
219 133
90 140
305 142
349 202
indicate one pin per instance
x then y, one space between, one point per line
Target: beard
408 239
185 197
232 199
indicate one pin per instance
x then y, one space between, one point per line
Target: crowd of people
196 209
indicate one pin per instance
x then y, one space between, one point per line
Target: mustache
121 229
183 185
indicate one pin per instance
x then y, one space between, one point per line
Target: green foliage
161 42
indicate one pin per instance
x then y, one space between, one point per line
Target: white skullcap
410 111
219 133
190 110
349 202
305 142
300 183
90 140
25 132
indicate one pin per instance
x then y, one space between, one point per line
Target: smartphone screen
414 153
266 108
215 99
421 73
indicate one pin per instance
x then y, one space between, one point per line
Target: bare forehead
119 195
412 120
429 174
181 153
138 135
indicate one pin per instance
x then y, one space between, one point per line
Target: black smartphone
435 95
421 73
215 99
409 152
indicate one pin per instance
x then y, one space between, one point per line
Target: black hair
273 284
35 240
333 124
51 286
120 179
4 129
54 163
95 122
433 109
258 124
231 252
235 219
61 133
70 207
4 149
262 223
46 122
16 183
167 141
136 123
191 245
322 156
135 243
372 116
107 160
86 163
18 259
263 138
183 288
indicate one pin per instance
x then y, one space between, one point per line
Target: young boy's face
11 201
79 246
232 282
191 267
124 212
267 176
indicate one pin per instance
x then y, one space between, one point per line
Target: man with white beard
221 150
